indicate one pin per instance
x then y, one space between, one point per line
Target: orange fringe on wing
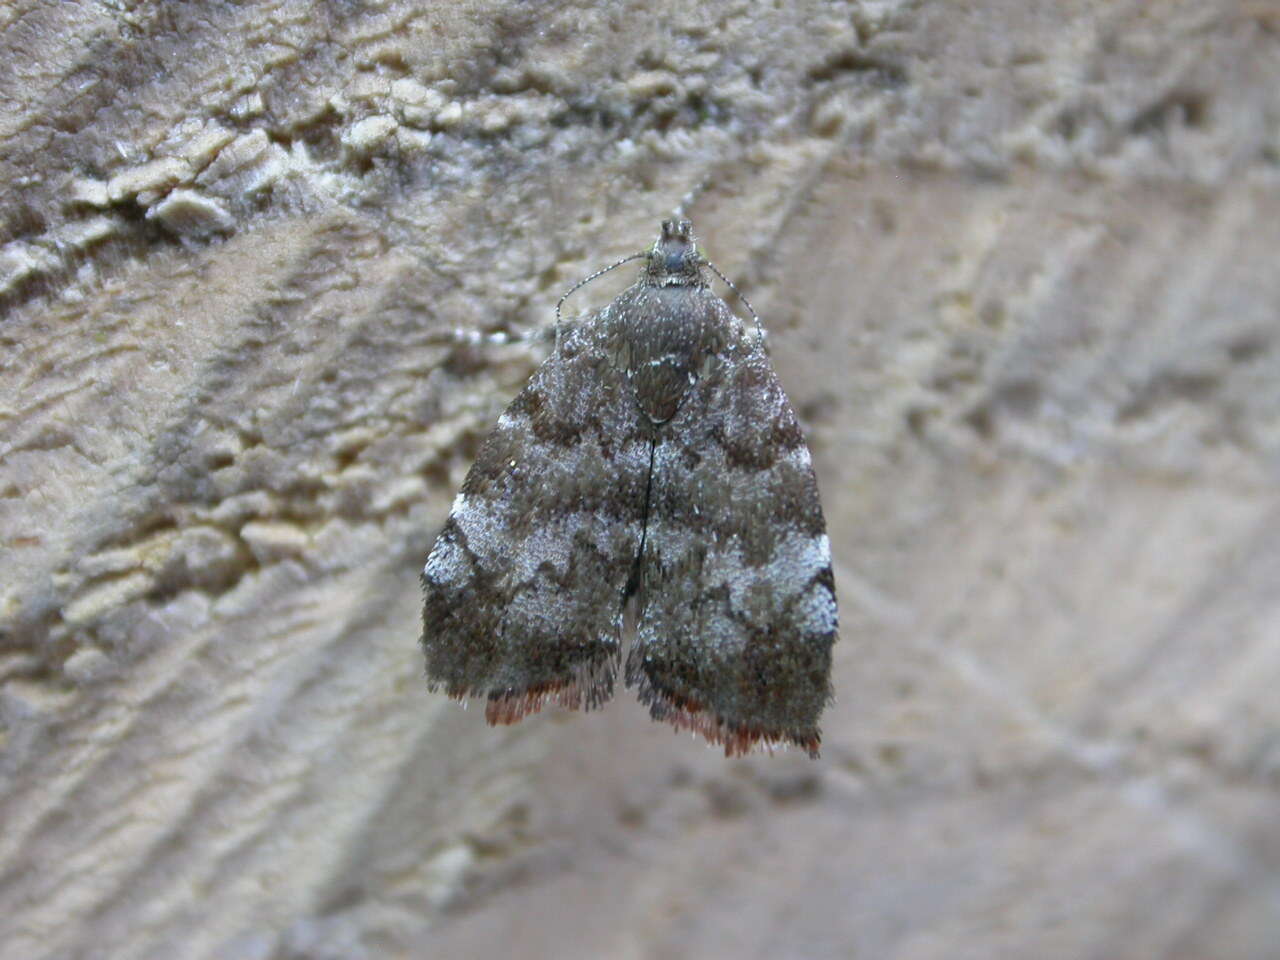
738 739
586 688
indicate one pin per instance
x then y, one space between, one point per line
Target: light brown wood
1017 264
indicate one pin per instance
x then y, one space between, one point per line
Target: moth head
675 258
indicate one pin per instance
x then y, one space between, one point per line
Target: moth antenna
745 302
584 282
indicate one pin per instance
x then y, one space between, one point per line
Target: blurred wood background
1018 263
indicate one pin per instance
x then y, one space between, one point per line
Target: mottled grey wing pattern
737 610
525 586
654 454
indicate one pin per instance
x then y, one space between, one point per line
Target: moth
654 460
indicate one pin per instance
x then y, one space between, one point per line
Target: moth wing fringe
587 687
738 739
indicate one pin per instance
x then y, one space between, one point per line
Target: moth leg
460 337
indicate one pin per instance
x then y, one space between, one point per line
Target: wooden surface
1017 261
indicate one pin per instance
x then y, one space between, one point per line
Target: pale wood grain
1017 263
